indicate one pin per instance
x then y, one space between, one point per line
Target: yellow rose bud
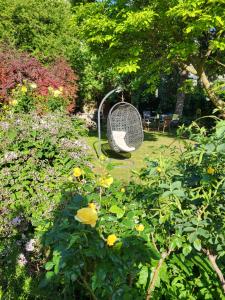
106 181
87 215
210 170
92 205
140 227
122 190
111 239
158 169
77 172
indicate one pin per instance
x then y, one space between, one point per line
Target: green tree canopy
150 38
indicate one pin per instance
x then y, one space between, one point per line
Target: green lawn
155 144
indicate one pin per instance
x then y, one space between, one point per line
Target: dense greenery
160 238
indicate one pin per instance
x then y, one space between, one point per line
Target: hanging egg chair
124 128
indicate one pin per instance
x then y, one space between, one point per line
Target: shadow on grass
107 151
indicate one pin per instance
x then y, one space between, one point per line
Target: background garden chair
146 119
164 122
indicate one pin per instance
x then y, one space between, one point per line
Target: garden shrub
25 80
159 237
37 154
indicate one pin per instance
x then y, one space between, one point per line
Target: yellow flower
111 239
23 89
122 190
92 205
140 227
106 181
57 93
13 102
158 169
61 88
210 170
87 215
77 172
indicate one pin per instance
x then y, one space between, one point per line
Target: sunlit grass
155 144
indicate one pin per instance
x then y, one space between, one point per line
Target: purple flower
16 221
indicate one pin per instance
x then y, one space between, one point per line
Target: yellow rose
122 190
106 181
159 170
111 239
140 227
23 89
210 170
92 205
87 215
77 172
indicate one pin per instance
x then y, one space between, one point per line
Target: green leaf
186 249
221 148
143 276
117 210
49 265
220 21
197 244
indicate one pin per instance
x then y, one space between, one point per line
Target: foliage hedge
159 237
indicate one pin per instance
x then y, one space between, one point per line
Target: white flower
22 261
30 245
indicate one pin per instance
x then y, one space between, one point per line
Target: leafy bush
24 79
161 238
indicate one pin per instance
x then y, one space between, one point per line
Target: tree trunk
219 104
180 94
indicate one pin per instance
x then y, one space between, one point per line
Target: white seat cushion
119 138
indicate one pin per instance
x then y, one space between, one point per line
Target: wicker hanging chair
124 128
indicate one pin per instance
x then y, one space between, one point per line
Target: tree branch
190 69
152 283
218 62
212 258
